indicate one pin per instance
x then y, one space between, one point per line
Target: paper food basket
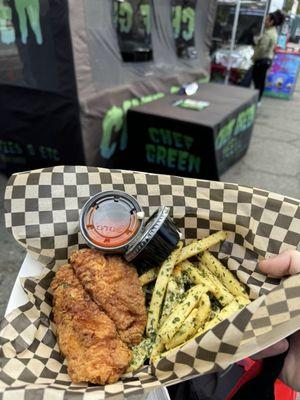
42 210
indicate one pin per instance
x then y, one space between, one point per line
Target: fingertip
283 346
277 266
278 348
261 264
266 265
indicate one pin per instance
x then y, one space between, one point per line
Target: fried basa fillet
115 287
86 335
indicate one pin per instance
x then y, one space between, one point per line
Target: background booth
71 70
39 113
199 136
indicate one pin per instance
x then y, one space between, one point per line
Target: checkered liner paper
42 210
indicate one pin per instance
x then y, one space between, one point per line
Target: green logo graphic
176 20
28 12
17 153
172 150
145 11
112 122
183 22
7 32
235 127
114 127
124 15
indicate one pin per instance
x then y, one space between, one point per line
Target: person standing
264 50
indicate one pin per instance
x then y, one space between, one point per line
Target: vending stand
199 136
75 68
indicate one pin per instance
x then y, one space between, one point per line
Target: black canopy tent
65 86
39 110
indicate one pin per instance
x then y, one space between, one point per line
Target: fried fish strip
114 286
86 336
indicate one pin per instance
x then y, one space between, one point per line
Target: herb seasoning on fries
189 298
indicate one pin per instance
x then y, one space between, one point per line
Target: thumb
277 348
286 263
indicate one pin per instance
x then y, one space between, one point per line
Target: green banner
183 24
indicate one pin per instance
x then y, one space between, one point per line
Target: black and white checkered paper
42 211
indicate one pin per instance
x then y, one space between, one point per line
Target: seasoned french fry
205 277
185 316
204 310
154 359
159 291
181 311
243 301
223 274
187 329
201 245
140 353
174 294
226 312
192 323
218 290
192 273
148 276
177 272
166 353
158 348
214 311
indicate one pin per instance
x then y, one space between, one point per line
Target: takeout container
113 222
42 211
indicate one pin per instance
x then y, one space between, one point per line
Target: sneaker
259 104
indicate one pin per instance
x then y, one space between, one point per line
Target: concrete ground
272 163
273 159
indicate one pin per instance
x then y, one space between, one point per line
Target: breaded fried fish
86 336
114 285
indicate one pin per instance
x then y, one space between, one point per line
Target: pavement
272 163
273 159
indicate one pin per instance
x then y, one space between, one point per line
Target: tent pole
233 37
265 16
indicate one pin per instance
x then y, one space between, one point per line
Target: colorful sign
282 77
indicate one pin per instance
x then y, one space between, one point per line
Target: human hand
287 263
